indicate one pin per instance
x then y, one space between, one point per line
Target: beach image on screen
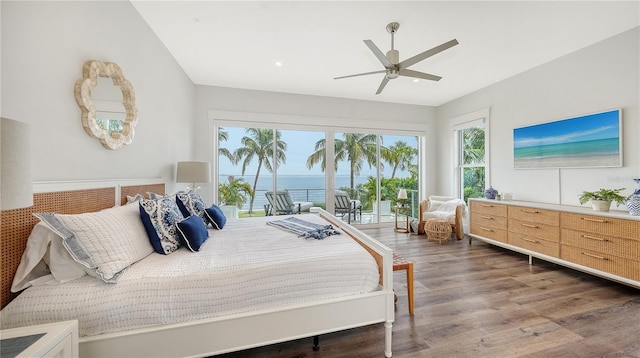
587 141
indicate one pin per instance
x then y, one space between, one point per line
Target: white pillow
45 255
450 205
108 241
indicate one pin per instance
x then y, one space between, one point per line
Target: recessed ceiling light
415 80
278 63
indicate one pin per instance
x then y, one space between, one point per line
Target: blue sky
590 127
300 144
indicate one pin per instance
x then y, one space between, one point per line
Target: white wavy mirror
108 104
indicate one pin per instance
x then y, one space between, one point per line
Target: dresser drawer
489 232
492 221
481 207
534 229
548 217
601 225
535 244
604 262
605 244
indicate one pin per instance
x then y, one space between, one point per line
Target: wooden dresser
606 244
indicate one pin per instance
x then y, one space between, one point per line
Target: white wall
44 46
603 76
326 110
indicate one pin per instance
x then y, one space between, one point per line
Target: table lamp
193 172
402 197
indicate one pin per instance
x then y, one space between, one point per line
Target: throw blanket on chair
305 229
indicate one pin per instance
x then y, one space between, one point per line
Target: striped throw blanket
305 229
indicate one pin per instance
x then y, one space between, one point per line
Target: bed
191 331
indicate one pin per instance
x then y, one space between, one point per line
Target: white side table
57 340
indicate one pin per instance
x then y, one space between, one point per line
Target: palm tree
259 144
223 136
354 148
473 145
400 156
234 192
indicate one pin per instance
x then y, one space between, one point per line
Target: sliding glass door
318 169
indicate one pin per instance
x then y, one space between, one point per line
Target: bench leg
410 287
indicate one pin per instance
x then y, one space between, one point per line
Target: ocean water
301 187
591 148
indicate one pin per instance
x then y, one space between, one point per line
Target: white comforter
247 266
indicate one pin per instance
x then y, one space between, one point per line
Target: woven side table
438 230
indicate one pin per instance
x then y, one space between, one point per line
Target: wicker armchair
443 207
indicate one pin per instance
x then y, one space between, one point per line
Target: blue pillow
193 232
159 218
215 216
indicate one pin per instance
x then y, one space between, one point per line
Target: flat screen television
587 141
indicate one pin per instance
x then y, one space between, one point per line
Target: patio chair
346 206
282 204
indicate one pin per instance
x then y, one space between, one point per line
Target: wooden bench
399 264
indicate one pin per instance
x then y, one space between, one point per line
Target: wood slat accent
18 223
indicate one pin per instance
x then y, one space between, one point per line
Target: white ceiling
236 43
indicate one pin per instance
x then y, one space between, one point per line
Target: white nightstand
45 340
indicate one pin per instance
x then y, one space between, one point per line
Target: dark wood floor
484 301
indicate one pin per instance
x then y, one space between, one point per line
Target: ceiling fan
393 68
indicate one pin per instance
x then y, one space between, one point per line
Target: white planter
230 211
600 205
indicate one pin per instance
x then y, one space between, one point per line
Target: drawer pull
486 217
595 220
529 225
530 211
529 240
485 229
486 205
594 256
594 238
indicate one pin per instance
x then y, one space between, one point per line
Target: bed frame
202 337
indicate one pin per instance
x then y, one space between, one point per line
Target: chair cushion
304 205
446 215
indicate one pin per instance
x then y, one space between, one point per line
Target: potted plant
233 194
601 199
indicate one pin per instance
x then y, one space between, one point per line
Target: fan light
391 74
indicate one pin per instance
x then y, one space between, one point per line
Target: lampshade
193 172
15 166
402 194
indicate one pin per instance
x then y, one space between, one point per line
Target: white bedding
247 266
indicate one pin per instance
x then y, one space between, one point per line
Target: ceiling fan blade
376 51
422 56
384 82
422 75
360 74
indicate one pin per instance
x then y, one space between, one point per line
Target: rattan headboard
16 225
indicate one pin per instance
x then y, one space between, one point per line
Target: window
370 167
471 154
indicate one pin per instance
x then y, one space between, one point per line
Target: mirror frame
91 71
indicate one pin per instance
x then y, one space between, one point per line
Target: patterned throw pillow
191 203
159 218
